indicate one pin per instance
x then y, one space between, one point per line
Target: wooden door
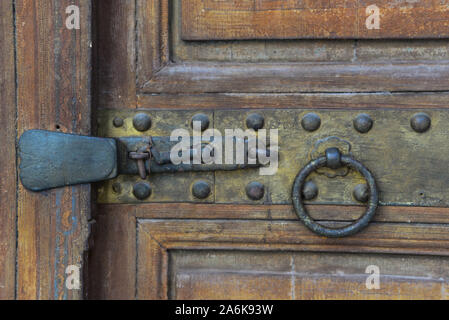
228 59
246 56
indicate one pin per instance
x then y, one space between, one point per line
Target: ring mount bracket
334 159
320 147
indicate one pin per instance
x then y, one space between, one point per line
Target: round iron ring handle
334 160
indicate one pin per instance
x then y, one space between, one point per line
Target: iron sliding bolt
53 159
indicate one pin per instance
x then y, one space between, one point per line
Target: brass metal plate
410 168
165 187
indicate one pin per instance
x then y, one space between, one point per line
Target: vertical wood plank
112 257
53 79
114 54
152 38
8 177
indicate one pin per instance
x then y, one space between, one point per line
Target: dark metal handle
334 160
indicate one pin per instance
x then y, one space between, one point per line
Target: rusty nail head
118 122
311 122
255 190
204 119
363 123
142 122
421 122
255 121
361 193
142 190
310 190
201 190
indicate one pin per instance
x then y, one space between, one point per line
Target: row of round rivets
363 123
142 190
254 190
142 122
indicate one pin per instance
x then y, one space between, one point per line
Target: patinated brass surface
410 168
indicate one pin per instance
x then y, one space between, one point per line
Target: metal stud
421 122
142 190
255 121
311 122
142 122
255 191
363 123
201 117
118 122
361 193
310 190
201 190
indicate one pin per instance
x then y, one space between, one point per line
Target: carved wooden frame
157 74
155 237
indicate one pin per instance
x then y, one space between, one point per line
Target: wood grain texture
406 215
112 257
152 38
53 65
114 53
164 230
293 19
8 178
299 77
367 101
157 238
303 275
158 71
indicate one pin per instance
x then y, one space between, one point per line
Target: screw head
142 190
118 122
310 190
361 193
142 122
201 190
204 119
311 122
255 121
421 122
363 123
255 191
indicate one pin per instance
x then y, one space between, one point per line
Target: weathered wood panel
426 100
297 77
53 77
303 19
114 53
112 256
404 277
275 212
302 275
8 177
162 261
166 65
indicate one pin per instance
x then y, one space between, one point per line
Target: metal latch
53 159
